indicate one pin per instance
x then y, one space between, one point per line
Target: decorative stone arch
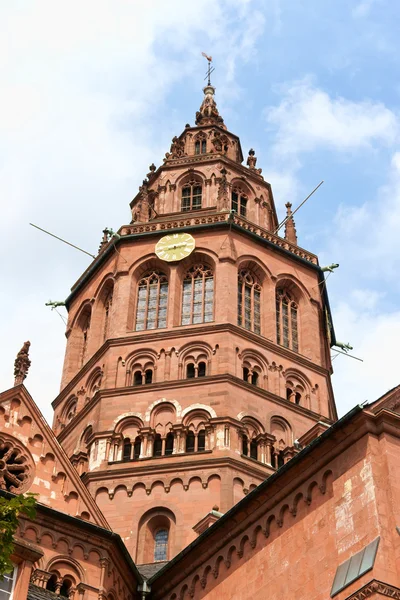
194 353
163 417
124 416
281 429
93 382
66 568
242 183
196 419
128 424
175 403
69 410
84 438
252 425
149 523
141 361
17 465
208 409
298 387
256 266
254 367
190 180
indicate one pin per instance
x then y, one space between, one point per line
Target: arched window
239 202
201 369
137 378
254 378
286 320
169 444
293 396
249 293
277 459
107 312
245 445
127 449
246 374
157 448
190 371
201 440
191 196
136 448
151 310
190 439
161 544
51 585
198 295
65 588
148 376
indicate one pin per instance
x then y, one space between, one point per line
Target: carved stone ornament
22 364
16 465
374 588
220 142
177 149
208 113
252 161
223 192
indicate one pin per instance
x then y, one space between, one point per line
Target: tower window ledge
146 458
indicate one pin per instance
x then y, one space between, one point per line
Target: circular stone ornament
16 465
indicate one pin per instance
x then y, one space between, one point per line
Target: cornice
175 467
181 383
183 331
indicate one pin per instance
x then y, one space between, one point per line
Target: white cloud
308 119
363 8
83 95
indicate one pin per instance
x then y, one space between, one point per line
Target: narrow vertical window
157 448
245 445
6 586
151 309
190 441
107 311
191 196
286 321
136 447
169 444
126 455
201 369
203 146
253 450
201 440
161 544
197 147
198 295
190 371
249 293
137 378
148 376
239 202
85 336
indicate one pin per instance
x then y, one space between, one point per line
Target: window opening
297 398
245 374
169 444
190 371
239 203
136 448
151 309
191 196
245 445
254 378
85 337
249 293
137 378
157 448
201 440
52 584
107 311
65 588
286 321
127 449
161 544
253 450
6 585
190 441
198 295
201 371
148 376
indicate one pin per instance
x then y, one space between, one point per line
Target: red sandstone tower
197 359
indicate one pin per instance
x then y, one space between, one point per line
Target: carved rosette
16 465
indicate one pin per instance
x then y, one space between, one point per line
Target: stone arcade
195 450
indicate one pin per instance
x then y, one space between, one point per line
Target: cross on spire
210 68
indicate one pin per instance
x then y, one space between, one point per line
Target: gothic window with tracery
151 310
249 294
161 544
286 320
107 311
198 295
191 196
14 467
239 202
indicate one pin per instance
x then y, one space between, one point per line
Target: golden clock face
175 246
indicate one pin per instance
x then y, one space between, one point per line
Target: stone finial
104 240
22 364
208 113
290 228
152 170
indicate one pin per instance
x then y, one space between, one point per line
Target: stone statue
22 364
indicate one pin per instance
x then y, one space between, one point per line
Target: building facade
195 434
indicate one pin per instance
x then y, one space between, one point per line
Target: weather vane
210 68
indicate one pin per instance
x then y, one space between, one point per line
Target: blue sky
91 93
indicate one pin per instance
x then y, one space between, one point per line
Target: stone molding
375 587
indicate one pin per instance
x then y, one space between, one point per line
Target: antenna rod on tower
61 240
295 211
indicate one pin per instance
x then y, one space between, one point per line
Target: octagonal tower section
195 371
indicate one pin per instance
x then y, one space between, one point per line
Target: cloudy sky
92 92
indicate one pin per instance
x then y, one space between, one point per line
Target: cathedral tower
197 358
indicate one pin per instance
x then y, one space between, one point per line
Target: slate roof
150 569
38 593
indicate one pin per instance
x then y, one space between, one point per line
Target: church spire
208 113
290 228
